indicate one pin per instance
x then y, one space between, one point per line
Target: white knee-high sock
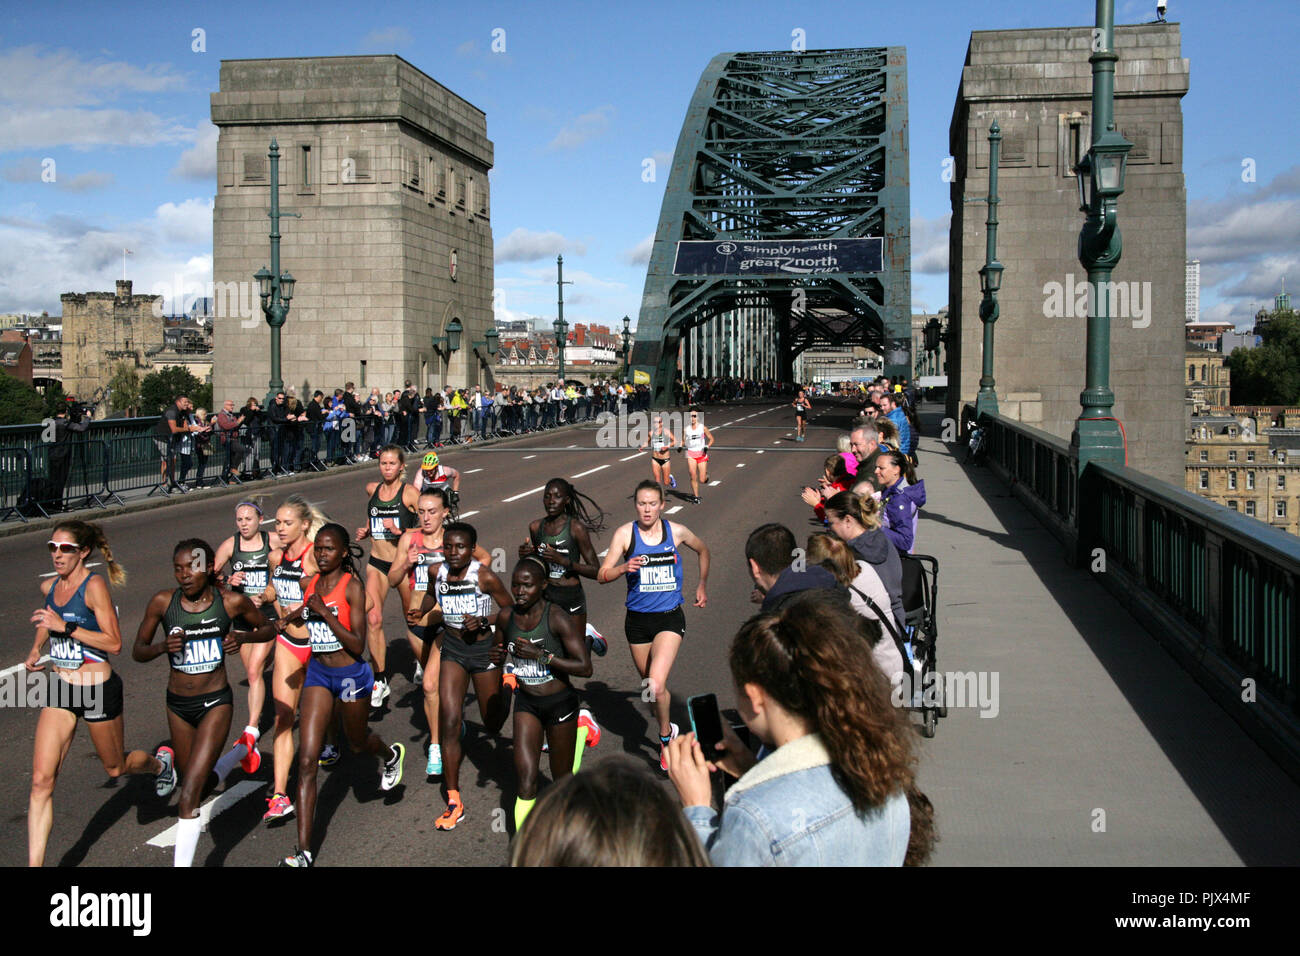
187 840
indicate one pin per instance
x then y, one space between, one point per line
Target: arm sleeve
899 531
740 839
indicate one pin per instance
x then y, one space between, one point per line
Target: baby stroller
921 605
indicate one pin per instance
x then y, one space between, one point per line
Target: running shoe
278 807
585 719
329 755
252 758
379 693
392 775
434 767
166 781
509 680
597 641
299 858
672 482
673 731
453 815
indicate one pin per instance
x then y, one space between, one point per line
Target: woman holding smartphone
198 619
79 623
836 789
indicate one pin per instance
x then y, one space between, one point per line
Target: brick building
1247 458
16 356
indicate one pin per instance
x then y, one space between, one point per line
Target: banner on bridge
766 257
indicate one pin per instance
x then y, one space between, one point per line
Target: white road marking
714 482
468 514
573 446
603 553
471 471
55 574
526 457
524 494
584 474
740 464
673 511
214 807
630 457
759 452
19 667
267 521
777 442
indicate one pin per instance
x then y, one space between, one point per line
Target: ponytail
92 536
310 513
862 508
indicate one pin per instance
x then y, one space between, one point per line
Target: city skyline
105 148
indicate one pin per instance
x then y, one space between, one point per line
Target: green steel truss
787 145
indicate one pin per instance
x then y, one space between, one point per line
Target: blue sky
116 96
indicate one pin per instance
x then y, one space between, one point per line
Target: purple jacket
902 503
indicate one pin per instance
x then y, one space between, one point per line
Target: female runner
549 649
697 440
247 552
465 590
419 552
565 545
296 524
801 406
334 612
198 619
390 511
661 441
80 624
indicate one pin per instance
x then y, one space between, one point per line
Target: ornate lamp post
986 400
560 326
627 336
1097 434
444 345
275 288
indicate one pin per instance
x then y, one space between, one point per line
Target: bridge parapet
1218 589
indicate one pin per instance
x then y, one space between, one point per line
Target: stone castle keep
389 173
1037 85
102 330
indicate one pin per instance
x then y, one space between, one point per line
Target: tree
1269 374
20 404
160 389
124 388
54 399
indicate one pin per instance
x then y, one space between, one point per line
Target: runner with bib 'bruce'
645 552
198 621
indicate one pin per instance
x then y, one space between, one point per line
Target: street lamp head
991 278
627 325
1109 164
493 340
286 286
1082 170
263 277
454 330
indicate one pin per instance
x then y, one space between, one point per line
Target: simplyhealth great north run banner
765 257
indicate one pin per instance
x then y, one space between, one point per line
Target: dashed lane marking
55 574
740 464
524 494
19 667
214 807
630 457
468 514
526 457
715 482
673 511
584 474
471 471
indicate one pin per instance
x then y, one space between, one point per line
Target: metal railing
1225 587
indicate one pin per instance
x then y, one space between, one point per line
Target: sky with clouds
105 141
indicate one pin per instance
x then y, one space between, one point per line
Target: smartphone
738 726
706 721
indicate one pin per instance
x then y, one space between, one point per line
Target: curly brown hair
809 658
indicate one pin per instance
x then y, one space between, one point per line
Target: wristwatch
547 657
68 628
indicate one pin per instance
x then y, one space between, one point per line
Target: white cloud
200 160
582 128
639 255
387 39
189 222
930 244
85 128
34 77
524 245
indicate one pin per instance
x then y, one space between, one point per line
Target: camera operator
70 420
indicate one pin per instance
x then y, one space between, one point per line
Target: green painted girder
785 145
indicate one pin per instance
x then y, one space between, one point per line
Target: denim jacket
789 811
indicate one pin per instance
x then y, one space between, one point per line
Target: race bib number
66 652
658 574
254 581
200 655
323 640
288 591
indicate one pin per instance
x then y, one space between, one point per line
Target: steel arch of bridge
786 145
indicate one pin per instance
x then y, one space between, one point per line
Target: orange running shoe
454 813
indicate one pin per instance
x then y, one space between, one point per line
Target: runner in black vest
197 619
389 512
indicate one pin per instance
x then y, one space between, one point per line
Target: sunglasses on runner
62 547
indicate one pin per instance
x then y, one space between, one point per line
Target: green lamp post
560 327
1097 433
275 288
986 400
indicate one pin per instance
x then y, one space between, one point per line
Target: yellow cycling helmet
430 461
